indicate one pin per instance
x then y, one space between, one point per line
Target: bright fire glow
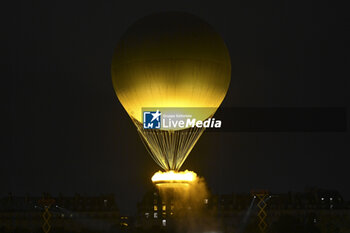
174 177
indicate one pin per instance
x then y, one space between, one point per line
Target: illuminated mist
188 197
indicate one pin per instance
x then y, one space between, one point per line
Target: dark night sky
68 133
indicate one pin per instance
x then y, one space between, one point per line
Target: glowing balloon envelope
171 60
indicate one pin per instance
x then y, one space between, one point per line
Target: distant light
206 201
322 198
56 206
155 215
315 220
331 199
164 222
254 196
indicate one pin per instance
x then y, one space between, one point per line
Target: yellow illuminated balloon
170 60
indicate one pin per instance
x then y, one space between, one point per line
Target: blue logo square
151 120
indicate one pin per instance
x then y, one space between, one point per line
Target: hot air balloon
170 60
